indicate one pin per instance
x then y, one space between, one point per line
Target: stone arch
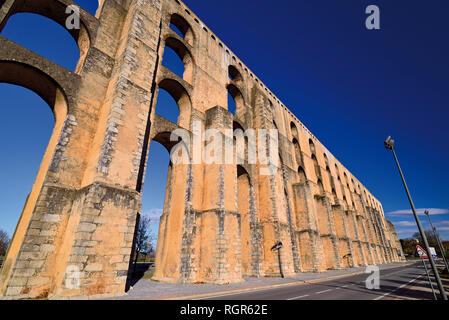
294 130
164 139
237 95
320 187
312 146
316 166
338 173
297 151
326 160
245 208
176 202
302 175
186 30
234 74
184 55
55 96
240 142
36 80
181 97
55 10
334 195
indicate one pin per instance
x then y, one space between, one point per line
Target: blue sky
352 87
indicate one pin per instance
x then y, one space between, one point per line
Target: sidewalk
150 290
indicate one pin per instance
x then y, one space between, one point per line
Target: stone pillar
292 231
346 233
220 227
357 235
333 234
316 245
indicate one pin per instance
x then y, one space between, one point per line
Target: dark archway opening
166 106
25 136
235 100
294 130
181 27
158 174
46 38
178 59
244 208
234 74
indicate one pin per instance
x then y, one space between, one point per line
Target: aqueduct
220 221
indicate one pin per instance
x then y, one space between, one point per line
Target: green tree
409 246
431 239
144 238
4 242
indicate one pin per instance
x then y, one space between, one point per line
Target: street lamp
426 212
389 144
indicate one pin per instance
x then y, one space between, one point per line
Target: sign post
423 255
278 247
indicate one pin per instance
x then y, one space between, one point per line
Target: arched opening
320 187
329 176
166 204
166 106
326 160
294 130
316 166
234 74
244 195
154 200
337 172
236 103
18 29
302 175
334 195
177 112
312 146
22 159
24 140
297 151
240 143
178 59
179 25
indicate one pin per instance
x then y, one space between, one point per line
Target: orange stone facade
220 221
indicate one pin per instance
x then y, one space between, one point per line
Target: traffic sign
421 252
433 252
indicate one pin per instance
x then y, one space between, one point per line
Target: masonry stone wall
220 221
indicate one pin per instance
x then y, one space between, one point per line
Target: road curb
280 285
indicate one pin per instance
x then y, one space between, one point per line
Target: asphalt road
397 283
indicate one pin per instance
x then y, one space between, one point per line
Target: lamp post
389 144
426 212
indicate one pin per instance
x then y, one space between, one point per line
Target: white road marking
234 293
294 298
319 292
400 287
